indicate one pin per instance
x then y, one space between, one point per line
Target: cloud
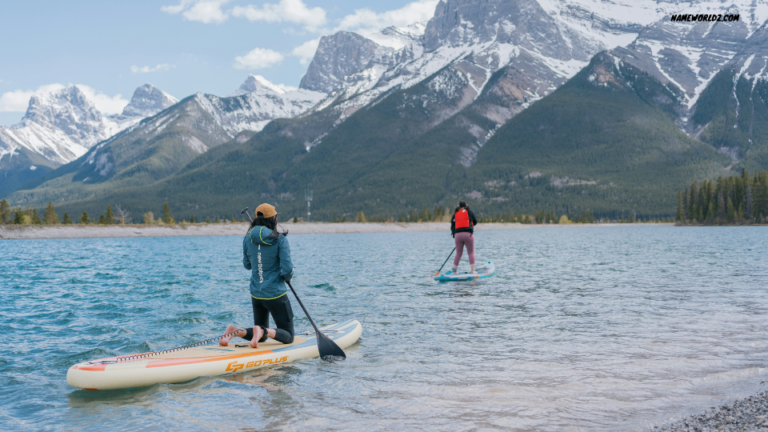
18 100
204 11
148 69
306 51
290 11
104 103
366 19
258 58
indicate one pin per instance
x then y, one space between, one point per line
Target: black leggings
282 314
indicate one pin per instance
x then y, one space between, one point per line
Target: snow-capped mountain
534 46
255 103
147 101
61 126
541 44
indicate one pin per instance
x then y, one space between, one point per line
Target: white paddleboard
146 369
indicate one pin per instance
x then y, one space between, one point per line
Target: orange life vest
462 219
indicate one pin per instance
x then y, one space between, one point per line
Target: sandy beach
19 232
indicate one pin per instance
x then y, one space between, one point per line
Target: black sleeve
453 225
472 218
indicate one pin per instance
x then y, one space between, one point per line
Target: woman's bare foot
258 332
228 334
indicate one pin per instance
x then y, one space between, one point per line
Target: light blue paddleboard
484 271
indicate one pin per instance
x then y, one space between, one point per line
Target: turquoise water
582 328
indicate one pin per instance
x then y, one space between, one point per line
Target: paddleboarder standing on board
267 254
462 228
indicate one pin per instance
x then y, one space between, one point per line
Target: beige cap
266 210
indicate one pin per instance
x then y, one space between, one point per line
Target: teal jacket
269 261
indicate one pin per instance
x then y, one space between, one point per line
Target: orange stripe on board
176 362
97 368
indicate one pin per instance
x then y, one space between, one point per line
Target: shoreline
746 414
32 232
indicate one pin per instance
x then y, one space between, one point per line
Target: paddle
328 349
446 260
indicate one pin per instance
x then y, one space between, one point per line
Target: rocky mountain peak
61 109
337 56
148 100
254 83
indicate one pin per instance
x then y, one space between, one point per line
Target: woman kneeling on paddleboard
462 227
267 254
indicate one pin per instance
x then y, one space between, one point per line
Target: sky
179 46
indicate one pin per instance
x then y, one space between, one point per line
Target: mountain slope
606 141
732 112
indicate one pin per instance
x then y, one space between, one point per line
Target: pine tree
748 200
360 218
208 220
36 218
102 220
711 212
109 219
84 219
167 218
730 213
413 216
67 220
49 215
343 218
192 219
425 216
5 212
679 212
18 216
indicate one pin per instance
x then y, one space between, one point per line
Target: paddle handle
446 260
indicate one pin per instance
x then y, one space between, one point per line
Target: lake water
582 328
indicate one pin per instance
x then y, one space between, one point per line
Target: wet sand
13 232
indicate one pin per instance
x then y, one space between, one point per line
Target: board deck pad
481 272
145 369
236 346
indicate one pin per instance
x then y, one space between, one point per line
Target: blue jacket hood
261 234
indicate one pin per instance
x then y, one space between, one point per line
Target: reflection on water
582 328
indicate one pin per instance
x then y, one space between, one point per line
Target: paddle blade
329 351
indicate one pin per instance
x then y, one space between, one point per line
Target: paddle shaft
311 321
446 260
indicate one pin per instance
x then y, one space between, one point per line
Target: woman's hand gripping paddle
327 348
446 260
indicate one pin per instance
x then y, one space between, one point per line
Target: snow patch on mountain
258 82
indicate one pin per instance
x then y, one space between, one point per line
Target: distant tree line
735 200
121 216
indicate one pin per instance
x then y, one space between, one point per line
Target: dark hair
462 204
270 223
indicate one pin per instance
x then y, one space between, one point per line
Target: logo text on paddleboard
235 366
